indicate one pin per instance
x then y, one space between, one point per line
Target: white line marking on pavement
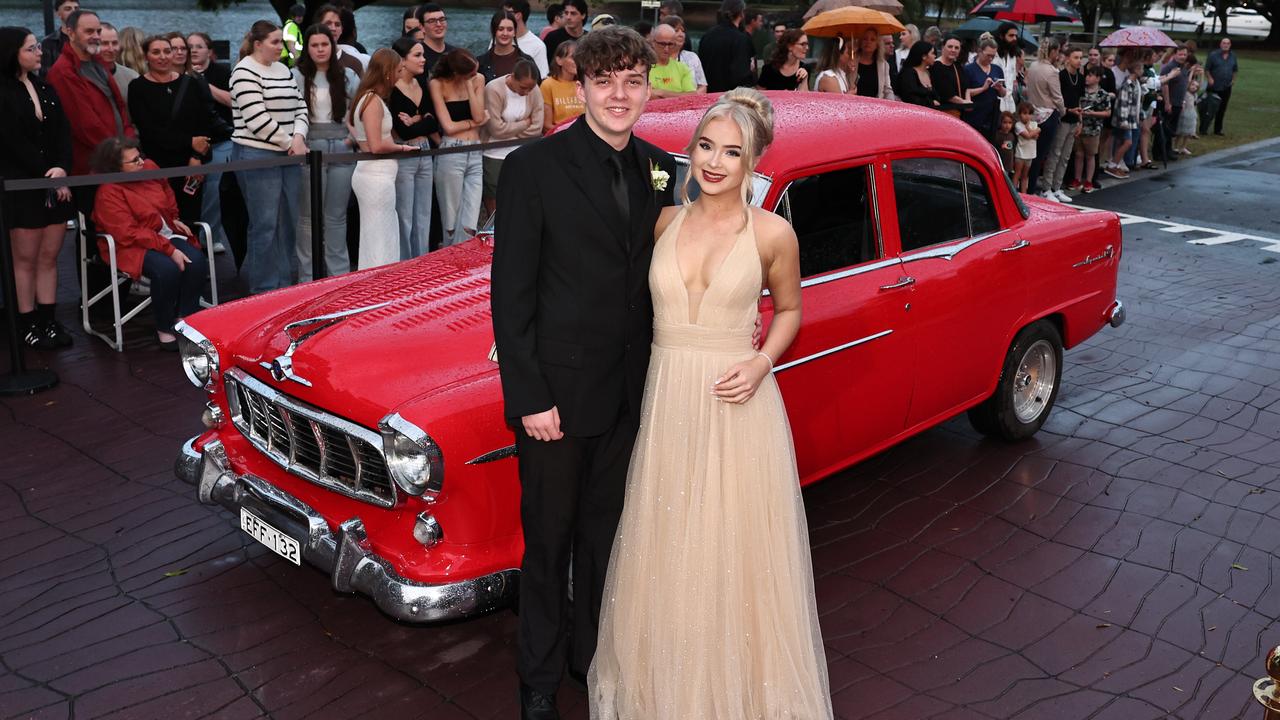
1216 236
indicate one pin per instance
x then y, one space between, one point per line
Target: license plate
281 544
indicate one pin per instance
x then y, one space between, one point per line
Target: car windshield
759 189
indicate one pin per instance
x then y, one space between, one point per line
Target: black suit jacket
572 314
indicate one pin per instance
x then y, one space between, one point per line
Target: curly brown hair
612 49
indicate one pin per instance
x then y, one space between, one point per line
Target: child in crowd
1095 110
1126 119
1188 121
1027 130
1006 141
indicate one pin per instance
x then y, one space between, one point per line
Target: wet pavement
1119 565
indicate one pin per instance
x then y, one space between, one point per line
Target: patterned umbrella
893 7
1027 11
1138 36
851 22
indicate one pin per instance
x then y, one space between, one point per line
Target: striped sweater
266 105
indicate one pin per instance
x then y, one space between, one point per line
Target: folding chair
89 255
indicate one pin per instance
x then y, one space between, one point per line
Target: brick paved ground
1118 566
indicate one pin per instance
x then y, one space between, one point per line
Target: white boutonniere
658 176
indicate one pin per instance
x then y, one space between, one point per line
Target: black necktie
619 188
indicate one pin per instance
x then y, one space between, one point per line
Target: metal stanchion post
20 380
1265 689
315 166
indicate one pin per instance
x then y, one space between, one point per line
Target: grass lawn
1254 112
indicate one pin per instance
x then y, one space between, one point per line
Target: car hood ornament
281 368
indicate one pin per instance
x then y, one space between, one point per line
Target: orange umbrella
851 22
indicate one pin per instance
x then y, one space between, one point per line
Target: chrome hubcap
1033 383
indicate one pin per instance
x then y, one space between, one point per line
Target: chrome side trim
281 368
828 351
346 555
316 416
492 455
822 279
949 251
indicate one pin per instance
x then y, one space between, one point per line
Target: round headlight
413 459
196 363
408 463
199 357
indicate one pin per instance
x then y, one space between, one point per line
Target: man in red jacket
89 94
95 111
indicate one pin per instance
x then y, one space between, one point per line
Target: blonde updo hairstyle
752 112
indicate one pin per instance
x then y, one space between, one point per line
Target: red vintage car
356 422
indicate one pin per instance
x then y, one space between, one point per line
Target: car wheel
1028 386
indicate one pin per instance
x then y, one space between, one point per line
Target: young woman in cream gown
709 608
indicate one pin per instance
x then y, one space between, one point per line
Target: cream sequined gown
709 611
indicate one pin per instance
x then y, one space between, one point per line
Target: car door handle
902 282
1016 246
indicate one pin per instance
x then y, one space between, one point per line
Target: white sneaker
1048 195
1062 197
1122 167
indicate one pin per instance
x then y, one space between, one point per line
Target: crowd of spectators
93 97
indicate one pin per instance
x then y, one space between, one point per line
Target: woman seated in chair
150 240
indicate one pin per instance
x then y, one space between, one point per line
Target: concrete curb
1194 161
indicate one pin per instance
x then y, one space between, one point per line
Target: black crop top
459 110
400 103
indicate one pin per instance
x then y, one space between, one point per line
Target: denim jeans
459 177
413 204
336 185
1048 130
175 293
271 198
211 203
1131 155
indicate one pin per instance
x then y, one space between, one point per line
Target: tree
1269 9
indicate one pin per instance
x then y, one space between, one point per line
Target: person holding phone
986 88
175 118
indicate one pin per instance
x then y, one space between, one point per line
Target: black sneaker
37 338
58 334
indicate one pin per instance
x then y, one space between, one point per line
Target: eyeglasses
800 44
435 21
32 48
139 160
666 44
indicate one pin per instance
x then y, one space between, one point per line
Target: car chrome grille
309 442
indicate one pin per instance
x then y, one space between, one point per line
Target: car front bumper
346 555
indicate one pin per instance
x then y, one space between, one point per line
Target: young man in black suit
573 322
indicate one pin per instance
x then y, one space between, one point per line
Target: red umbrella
1138 36
1027 11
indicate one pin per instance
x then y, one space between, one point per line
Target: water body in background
377 25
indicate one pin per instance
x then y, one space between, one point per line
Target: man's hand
544 426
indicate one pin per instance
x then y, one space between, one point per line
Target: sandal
1151 166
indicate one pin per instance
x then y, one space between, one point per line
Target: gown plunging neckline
693 312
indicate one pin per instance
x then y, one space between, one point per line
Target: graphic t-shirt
675 76
562 97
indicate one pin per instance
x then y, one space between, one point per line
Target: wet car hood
420 326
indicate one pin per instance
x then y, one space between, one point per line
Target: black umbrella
975 27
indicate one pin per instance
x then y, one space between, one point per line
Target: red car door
846 379
968 276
